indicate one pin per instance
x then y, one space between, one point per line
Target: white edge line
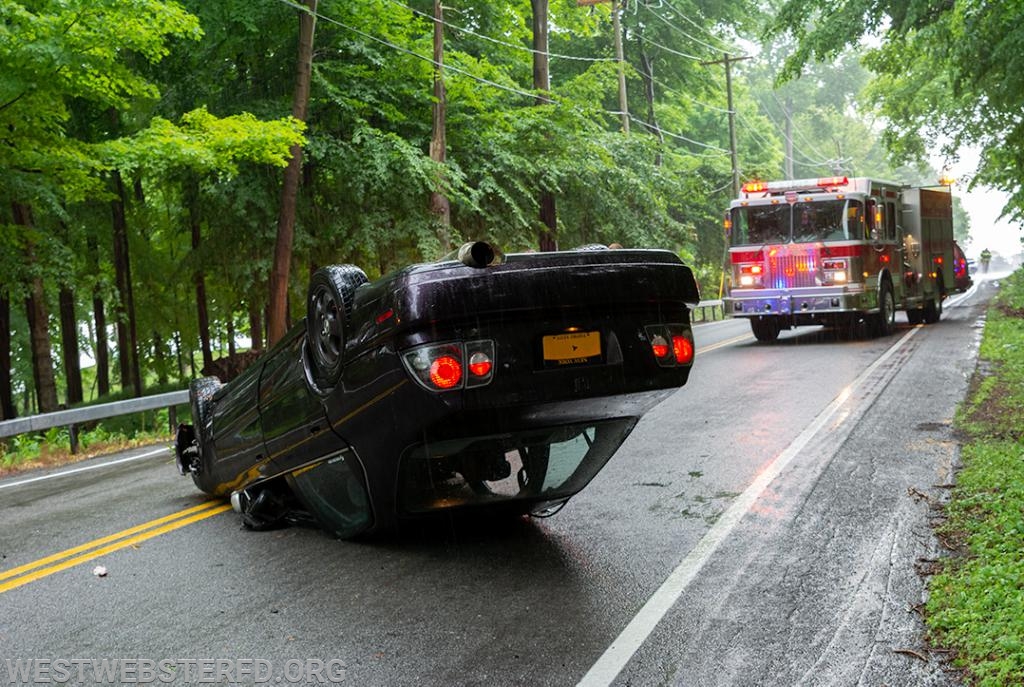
84 468
629 641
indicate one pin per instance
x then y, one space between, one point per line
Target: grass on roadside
976 603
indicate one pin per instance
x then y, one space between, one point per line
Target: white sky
984 206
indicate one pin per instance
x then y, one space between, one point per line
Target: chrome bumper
816 301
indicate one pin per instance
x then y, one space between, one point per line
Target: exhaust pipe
479 254
476 254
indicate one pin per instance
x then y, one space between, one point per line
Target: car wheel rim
326 328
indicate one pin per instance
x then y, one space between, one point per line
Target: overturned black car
482 380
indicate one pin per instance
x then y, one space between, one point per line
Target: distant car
961 272
485 380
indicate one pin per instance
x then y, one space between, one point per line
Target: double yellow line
30 572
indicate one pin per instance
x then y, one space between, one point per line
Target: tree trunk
231 336
647 73
159 358
199 277
281 268
127 339
7 410
69 346
38 324
256 325
547 240
100 319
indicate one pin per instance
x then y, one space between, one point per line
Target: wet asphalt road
763 526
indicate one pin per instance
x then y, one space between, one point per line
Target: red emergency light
827 182
755 187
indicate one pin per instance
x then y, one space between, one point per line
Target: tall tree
7 410
38 318
127 337
293 173
945 71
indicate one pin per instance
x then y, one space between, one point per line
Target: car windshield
831 220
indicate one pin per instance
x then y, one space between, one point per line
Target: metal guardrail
713 306
72 418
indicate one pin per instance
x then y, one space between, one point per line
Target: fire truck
840 252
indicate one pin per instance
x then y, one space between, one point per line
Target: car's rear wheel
329 306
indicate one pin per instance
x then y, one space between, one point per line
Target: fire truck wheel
933 308
885 320
915 315
932 311
765 329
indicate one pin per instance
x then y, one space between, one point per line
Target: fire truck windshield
823 220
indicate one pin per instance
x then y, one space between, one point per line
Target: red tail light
442 367
479 364
682 347
671 344
660 346
445 372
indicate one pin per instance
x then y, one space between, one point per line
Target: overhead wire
782 131
407 51
650 127
682 15
494 84
680 31
514 46
796 129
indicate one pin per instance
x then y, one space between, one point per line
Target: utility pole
727 61
623 104
439 204
789 137
619 57
548 238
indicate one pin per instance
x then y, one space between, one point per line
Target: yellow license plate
572 349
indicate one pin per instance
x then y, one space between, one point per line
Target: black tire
329 312
765 329
201 393
915 316
933 308
885 319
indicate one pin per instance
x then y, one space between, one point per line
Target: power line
514 46
679 30
411 53
767 114
756 133
721 151
798 132
670 50
693 100
430 60
700 27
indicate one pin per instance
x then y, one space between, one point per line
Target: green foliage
203 143
976 604
945 72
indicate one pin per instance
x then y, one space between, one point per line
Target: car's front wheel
201 393
329 304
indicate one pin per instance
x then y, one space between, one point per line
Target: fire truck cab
839 252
